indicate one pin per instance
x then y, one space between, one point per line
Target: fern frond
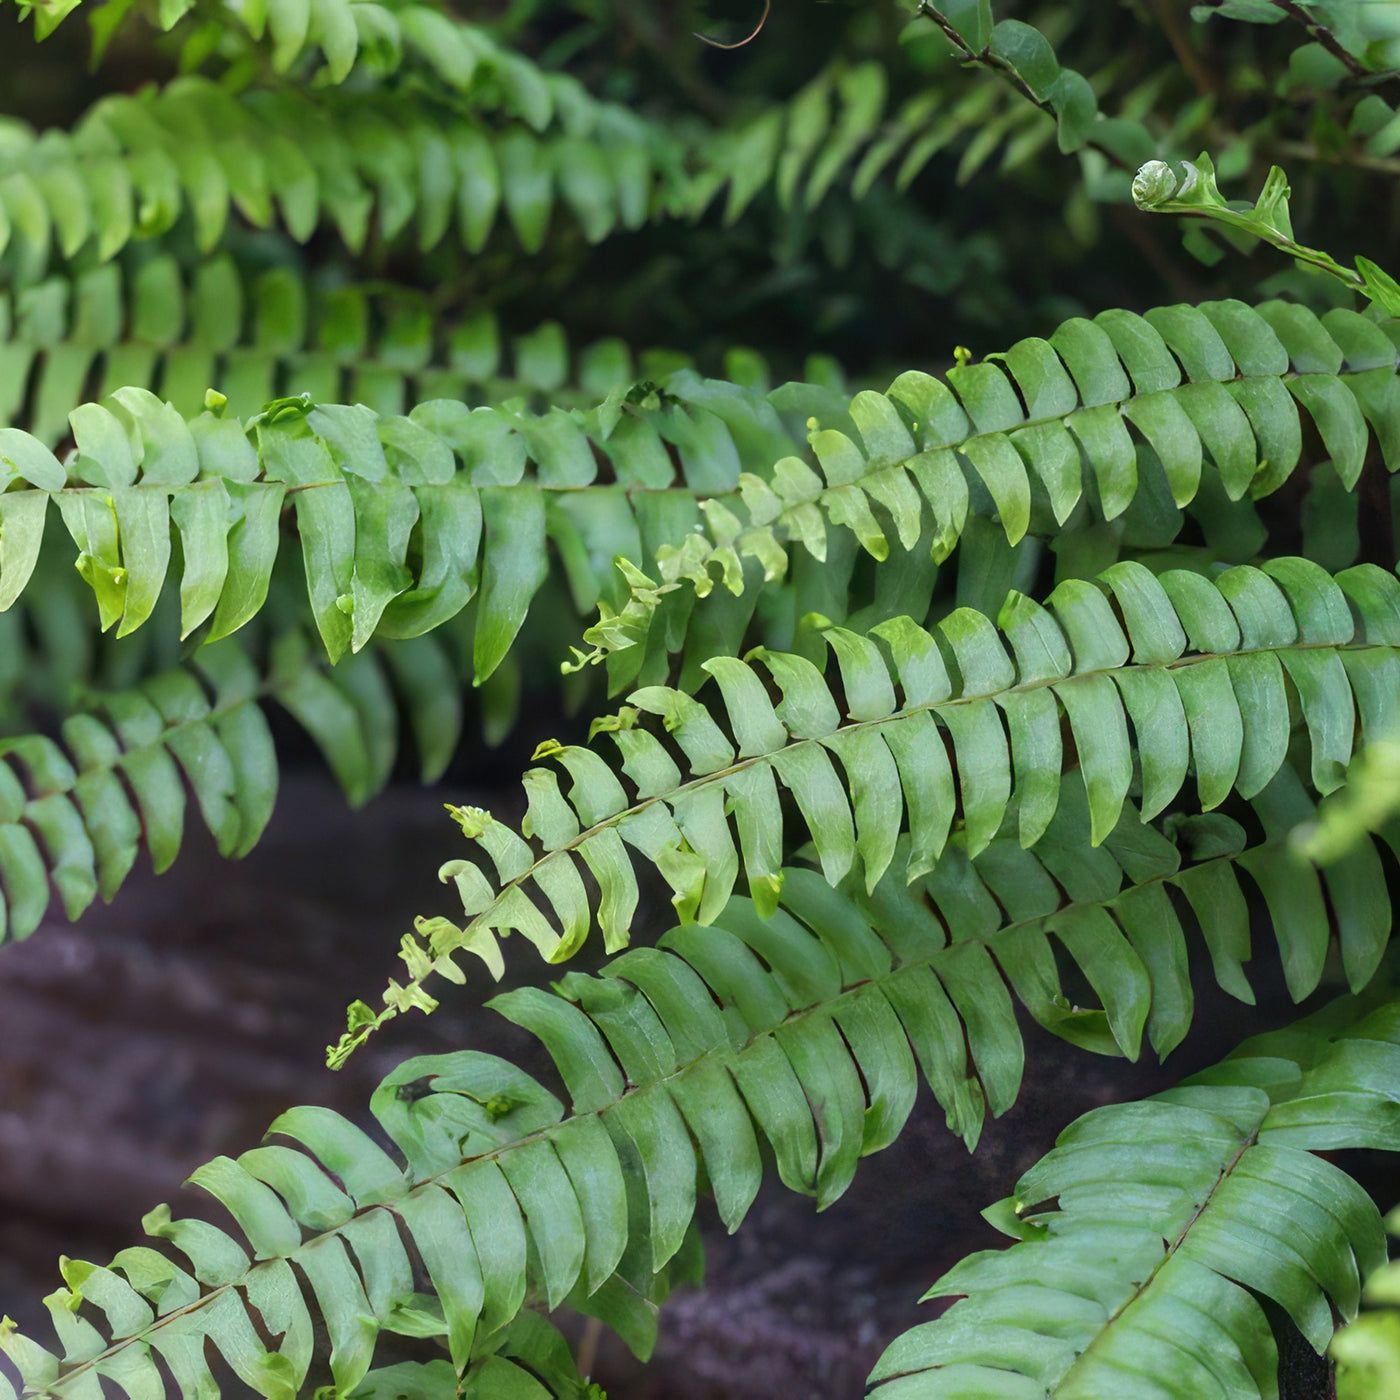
806 1031
403 521
835 134
137 165
1136 417
1203 669
1172 1217
76 810
327 41
1027 446
254 338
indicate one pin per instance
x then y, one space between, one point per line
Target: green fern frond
76 810
255 338
1172 1217
403 521
137 165
1203 669
809 1034
402 557
1136 417
327 41
835 134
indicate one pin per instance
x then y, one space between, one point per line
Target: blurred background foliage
907 205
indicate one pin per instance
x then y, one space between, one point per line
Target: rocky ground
178 1022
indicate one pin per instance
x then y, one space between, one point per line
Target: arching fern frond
1172 1217
403 521
136 165
76 810
675 1059
1137 417
1027 446
1202 669
254 338
835 134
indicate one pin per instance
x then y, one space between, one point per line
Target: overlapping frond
136 165
403 520
1060 424
965 726
326 41
838 133
1151 1231
1137 417
808 1030
257 337
76 810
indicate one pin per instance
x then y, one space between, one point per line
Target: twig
986 57
1170 21
1324 36
758 29
588 1347
1358 160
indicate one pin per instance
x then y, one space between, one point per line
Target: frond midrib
1141 1290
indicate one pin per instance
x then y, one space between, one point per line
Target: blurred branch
1166 15
1322 35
